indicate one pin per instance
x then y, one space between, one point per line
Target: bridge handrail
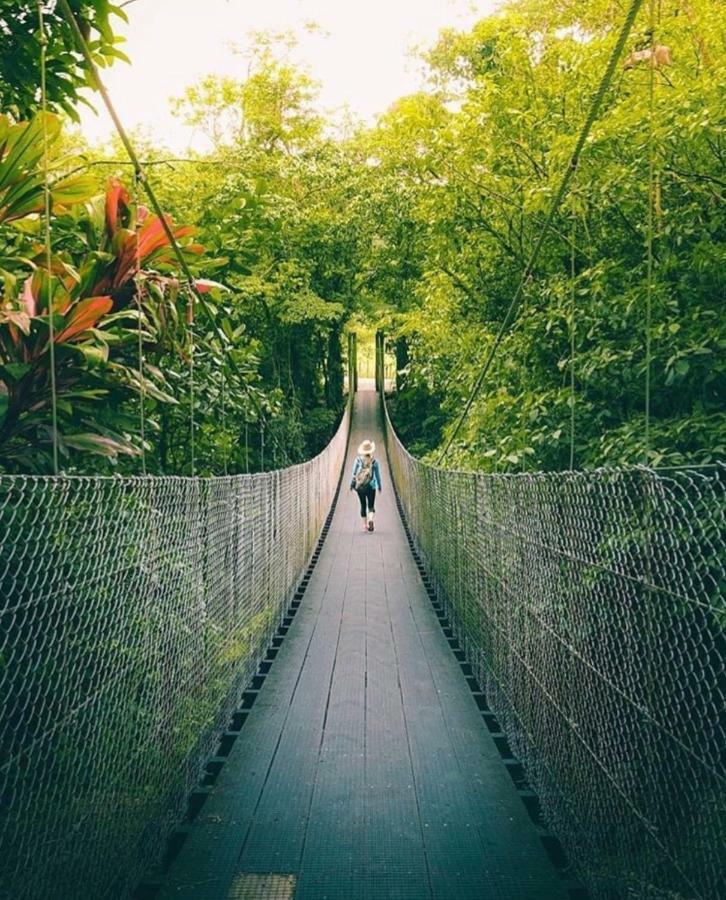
591 607
133 613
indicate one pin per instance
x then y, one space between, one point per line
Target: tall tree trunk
334 393
163 443
401 361
304 368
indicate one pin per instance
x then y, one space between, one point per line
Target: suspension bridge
221 688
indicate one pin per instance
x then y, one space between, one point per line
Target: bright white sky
363 61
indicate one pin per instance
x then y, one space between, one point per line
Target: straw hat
367 448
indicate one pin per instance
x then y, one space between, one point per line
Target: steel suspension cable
224 421
47 235
649 226
192 393
559 195
573 303
649 504
139 330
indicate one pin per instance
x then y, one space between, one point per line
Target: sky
360 54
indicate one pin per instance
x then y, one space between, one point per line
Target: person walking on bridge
366 480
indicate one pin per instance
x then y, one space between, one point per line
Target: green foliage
270 110
22 190
284 245
420 225
67 72
468 172
252 377
75 325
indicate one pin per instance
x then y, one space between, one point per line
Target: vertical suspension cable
650 224
190 351
140 312
247 446
43 39
567 175
224 422
573 232
649 599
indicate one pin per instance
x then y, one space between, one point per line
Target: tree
271 109
67 71
478 183
276 219
69 329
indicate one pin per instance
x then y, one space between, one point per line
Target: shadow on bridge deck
364 769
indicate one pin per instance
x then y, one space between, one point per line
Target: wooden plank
210 857
331 857
365 769
497 850
398 866
276 833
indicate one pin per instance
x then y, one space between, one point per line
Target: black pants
367 495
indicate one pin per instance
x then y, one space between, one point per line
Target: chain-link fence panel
591 606
133 612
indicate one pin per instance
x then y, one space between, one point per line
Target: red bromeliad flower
78 316
138 243
86 314
80 302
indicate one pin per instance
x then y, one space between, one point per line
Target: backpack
364 475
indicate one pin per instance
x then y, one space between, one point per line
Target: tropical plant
69 333
67 71
468 172
22 177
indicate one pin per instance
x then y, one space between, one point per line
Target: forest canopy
420 224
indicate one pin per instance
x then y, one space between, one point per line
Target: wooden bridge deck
365 769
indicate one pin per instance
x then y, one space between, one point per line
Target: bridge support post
352 362
380 362
355 362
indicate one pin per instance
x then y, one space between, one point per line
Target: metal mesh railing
133 612
591 606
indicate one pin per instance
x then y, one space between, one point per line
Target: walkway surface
365 769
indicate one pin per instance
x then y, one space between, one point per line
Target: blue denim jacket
375 481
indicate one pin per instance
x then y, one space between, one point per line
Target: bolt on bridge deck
364 769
